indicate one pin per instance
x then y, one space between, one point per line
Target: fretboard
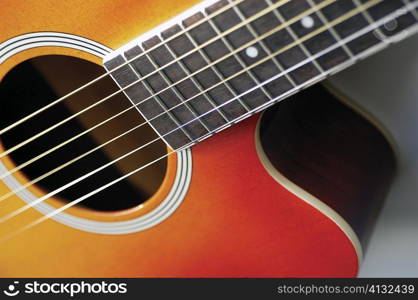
223 61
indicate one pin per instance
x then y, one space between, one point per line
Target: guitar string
70 204
10 150
57 211
6 196
20 210
11 193
83 155
35 113
346 40
23 143
53 171
38 157
289 22
342 18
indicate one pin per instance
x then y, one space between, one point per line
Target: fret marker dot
307 22
251 52
391 25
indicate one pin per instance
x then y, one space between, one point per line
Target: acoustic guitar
114 157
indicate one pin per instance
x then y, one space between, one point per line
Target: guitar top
180 139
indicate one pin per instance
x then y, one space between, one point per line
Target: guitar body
290 192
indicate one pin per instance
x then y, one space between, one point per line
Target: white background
386 85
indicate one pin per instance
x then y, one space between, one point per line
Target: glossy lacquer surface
236 219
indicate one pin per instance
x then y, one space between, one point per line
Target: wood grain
329 150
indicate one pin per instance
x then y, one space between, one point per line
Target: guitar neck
223 61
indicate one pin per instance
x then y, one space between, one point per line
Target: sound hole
38 82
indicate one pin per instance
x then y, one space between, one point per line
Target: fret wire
331 29
250 72
186 71
348 15
308 83
269 53
295 38
317 78
226 43
173 87
346 40
126 94
369 19
255 110
261 13
307 36
159 101
213 68
282 2
195 81
254 17
266 49
31 115
414 12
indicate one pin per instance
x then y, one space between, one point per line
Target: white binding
156 31
184 158
307 197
